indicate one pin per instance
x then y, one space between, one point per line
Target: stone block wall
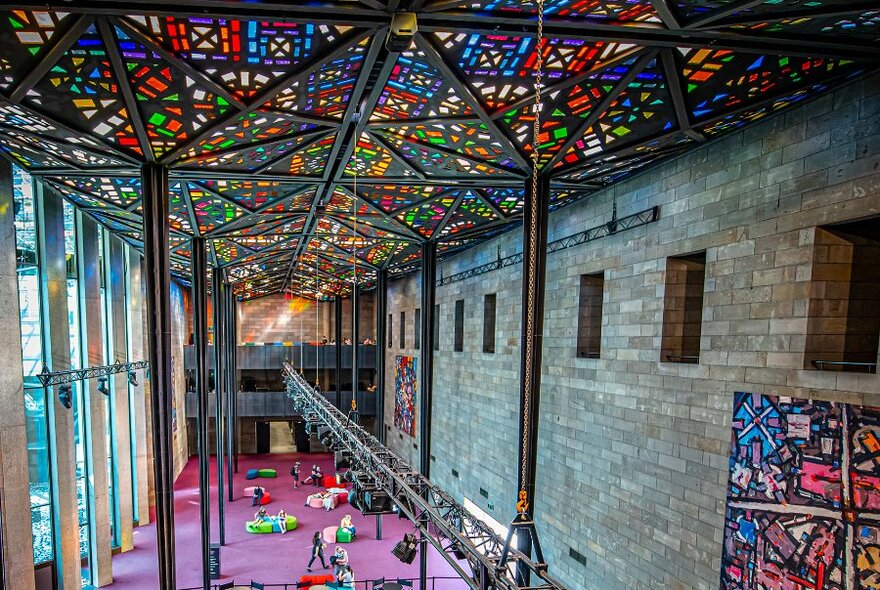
632 465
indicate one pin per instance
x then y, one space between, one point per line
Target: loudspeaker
376 502
406 549
400 34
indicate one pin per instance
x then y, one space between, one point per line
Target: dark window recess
390 330
455 473
417 329
484 493
489 323
433 458
578 557
843 318
437 327
402 329
589 335
683 308
459 326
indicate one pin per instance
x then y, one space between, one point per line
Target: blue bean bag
252 474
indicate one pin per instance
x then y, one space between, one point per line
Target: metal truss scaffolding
48 379
446 524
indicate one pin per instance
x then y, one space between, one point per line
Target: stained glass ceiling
307 154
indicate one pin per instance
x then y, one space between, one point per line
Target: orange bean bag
310 580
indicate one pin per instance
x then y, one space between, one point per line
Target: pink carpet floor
272 558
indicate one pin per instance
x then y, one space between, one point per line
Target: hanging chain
522 505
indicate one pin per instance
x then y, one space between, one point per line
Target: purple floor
273 558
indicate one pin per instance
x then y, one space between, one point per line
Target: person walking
294 471
318 547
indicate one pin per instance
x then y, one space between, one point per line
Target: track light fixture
102 386
132 379
65 396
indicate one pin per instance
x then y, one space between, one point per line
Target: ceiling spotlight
102 386
64 396
132 379
401 32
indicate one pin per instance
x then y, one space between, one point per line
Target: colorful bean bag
252 474
267 473
329 481
315 502
343 536
329 534
272 525
267 497
341 495
314 579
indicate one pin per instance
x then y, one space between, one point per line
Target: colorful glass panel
211 212
24 35
371 158
309 161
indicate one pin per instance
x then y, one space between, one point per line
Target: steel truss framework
594 233
447 525
48 379
266 113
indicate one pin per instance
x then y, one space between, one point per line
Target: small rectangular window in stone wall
589 335
843 327
489 323
417 329
459 326
437 327
402 329
683 308
390 330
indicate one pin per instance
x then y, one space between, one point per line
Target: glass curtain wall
36 418
77 361
132 388
107 384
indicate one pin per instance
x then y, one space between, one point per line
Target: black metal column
230 387
200 348
426 377
233 360
381 345
533 283
337 335
154 180
355 336
219 388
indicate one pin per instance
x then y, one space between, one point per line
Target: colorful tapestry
803 496
405 394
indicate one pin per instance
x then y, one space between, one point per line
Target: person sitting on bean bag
347 526
315 478
318 496
258 496
260 516
282 520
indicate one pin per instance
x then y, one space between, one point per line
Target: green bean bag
266 473
270 526
343 536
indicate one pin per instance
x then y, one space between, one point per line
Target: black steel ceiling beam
378 211
396 155
601 107
50 57
272 161
489 23
179 63
382 123
451 74
446 217
346 42
263 143
674 84
668 14
190 212
484 198
723 12
128 97
851 9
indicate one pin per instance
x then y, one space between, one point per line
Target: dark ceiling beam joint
667 14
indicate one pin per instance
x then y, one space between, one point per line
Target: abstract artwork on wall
803 497
405 394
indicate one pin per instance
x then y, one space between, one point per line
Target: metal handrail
364 584
820 363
